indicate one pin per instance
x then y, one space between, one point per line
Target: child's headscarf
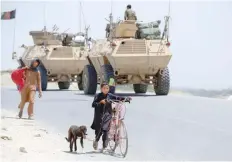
35 68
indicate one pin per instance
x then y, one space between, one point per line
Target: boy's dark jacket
102 120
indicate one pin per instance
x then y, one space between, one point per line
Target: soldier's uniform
130 15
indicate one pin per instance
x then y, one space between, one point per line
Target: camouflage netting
150 33
149 30
153 24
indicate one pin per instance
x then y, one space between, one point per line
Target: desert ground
174 127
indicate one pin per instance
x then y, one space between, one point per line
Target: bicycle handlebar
116 101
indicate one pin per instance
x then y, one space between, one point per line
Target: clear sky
200 33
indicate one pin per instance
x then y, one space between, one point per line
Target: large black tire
44 77
108 73
140 88
64 85
163 83
89 80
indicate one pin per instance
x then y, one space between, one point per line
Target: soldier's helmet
128 6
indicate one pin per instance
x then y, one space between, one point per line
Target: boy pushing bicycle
103 114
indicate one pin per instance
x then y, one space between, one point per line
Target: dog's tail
67 139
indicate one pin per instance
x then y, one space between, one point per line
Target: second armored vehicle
133 53
63 59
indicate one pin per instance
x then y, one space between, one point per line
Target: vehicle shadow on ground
12 89
62 90
123 94
48 90
65 100
82 94
135 94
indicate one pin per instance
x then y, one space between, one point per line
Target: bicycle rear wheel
123 140
112 135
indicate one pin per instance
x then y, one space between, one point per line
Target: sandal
20 114
31 117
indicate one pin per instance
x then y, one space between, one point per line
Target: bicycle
117 126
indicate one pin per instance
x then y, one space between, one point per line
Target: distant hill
223 93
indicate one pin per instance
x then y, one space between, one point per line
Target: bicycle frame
115 125
116 111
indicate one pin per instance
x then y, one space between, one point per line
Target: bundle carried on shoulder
17 77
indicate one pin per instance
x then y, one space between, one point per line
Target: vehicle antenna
86 27
169 10
44 14
166 27
80 8
45 24
111 21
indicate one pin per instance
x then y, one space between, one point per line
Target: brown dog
73 133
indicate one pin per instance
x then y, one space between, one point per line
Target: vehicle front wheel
89 80
163 83
140 88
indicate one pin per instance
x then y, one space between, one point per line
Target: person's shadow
92 153
106 152
68 152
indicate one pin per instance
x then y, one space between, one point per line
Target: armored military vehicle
132 53
63 59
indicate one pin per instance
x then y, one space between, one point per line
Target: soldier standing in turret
90 44
130 14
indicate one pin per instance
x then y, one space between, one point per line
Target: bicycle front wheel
123 141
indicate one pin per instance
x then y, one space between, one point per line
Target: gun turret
44 38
